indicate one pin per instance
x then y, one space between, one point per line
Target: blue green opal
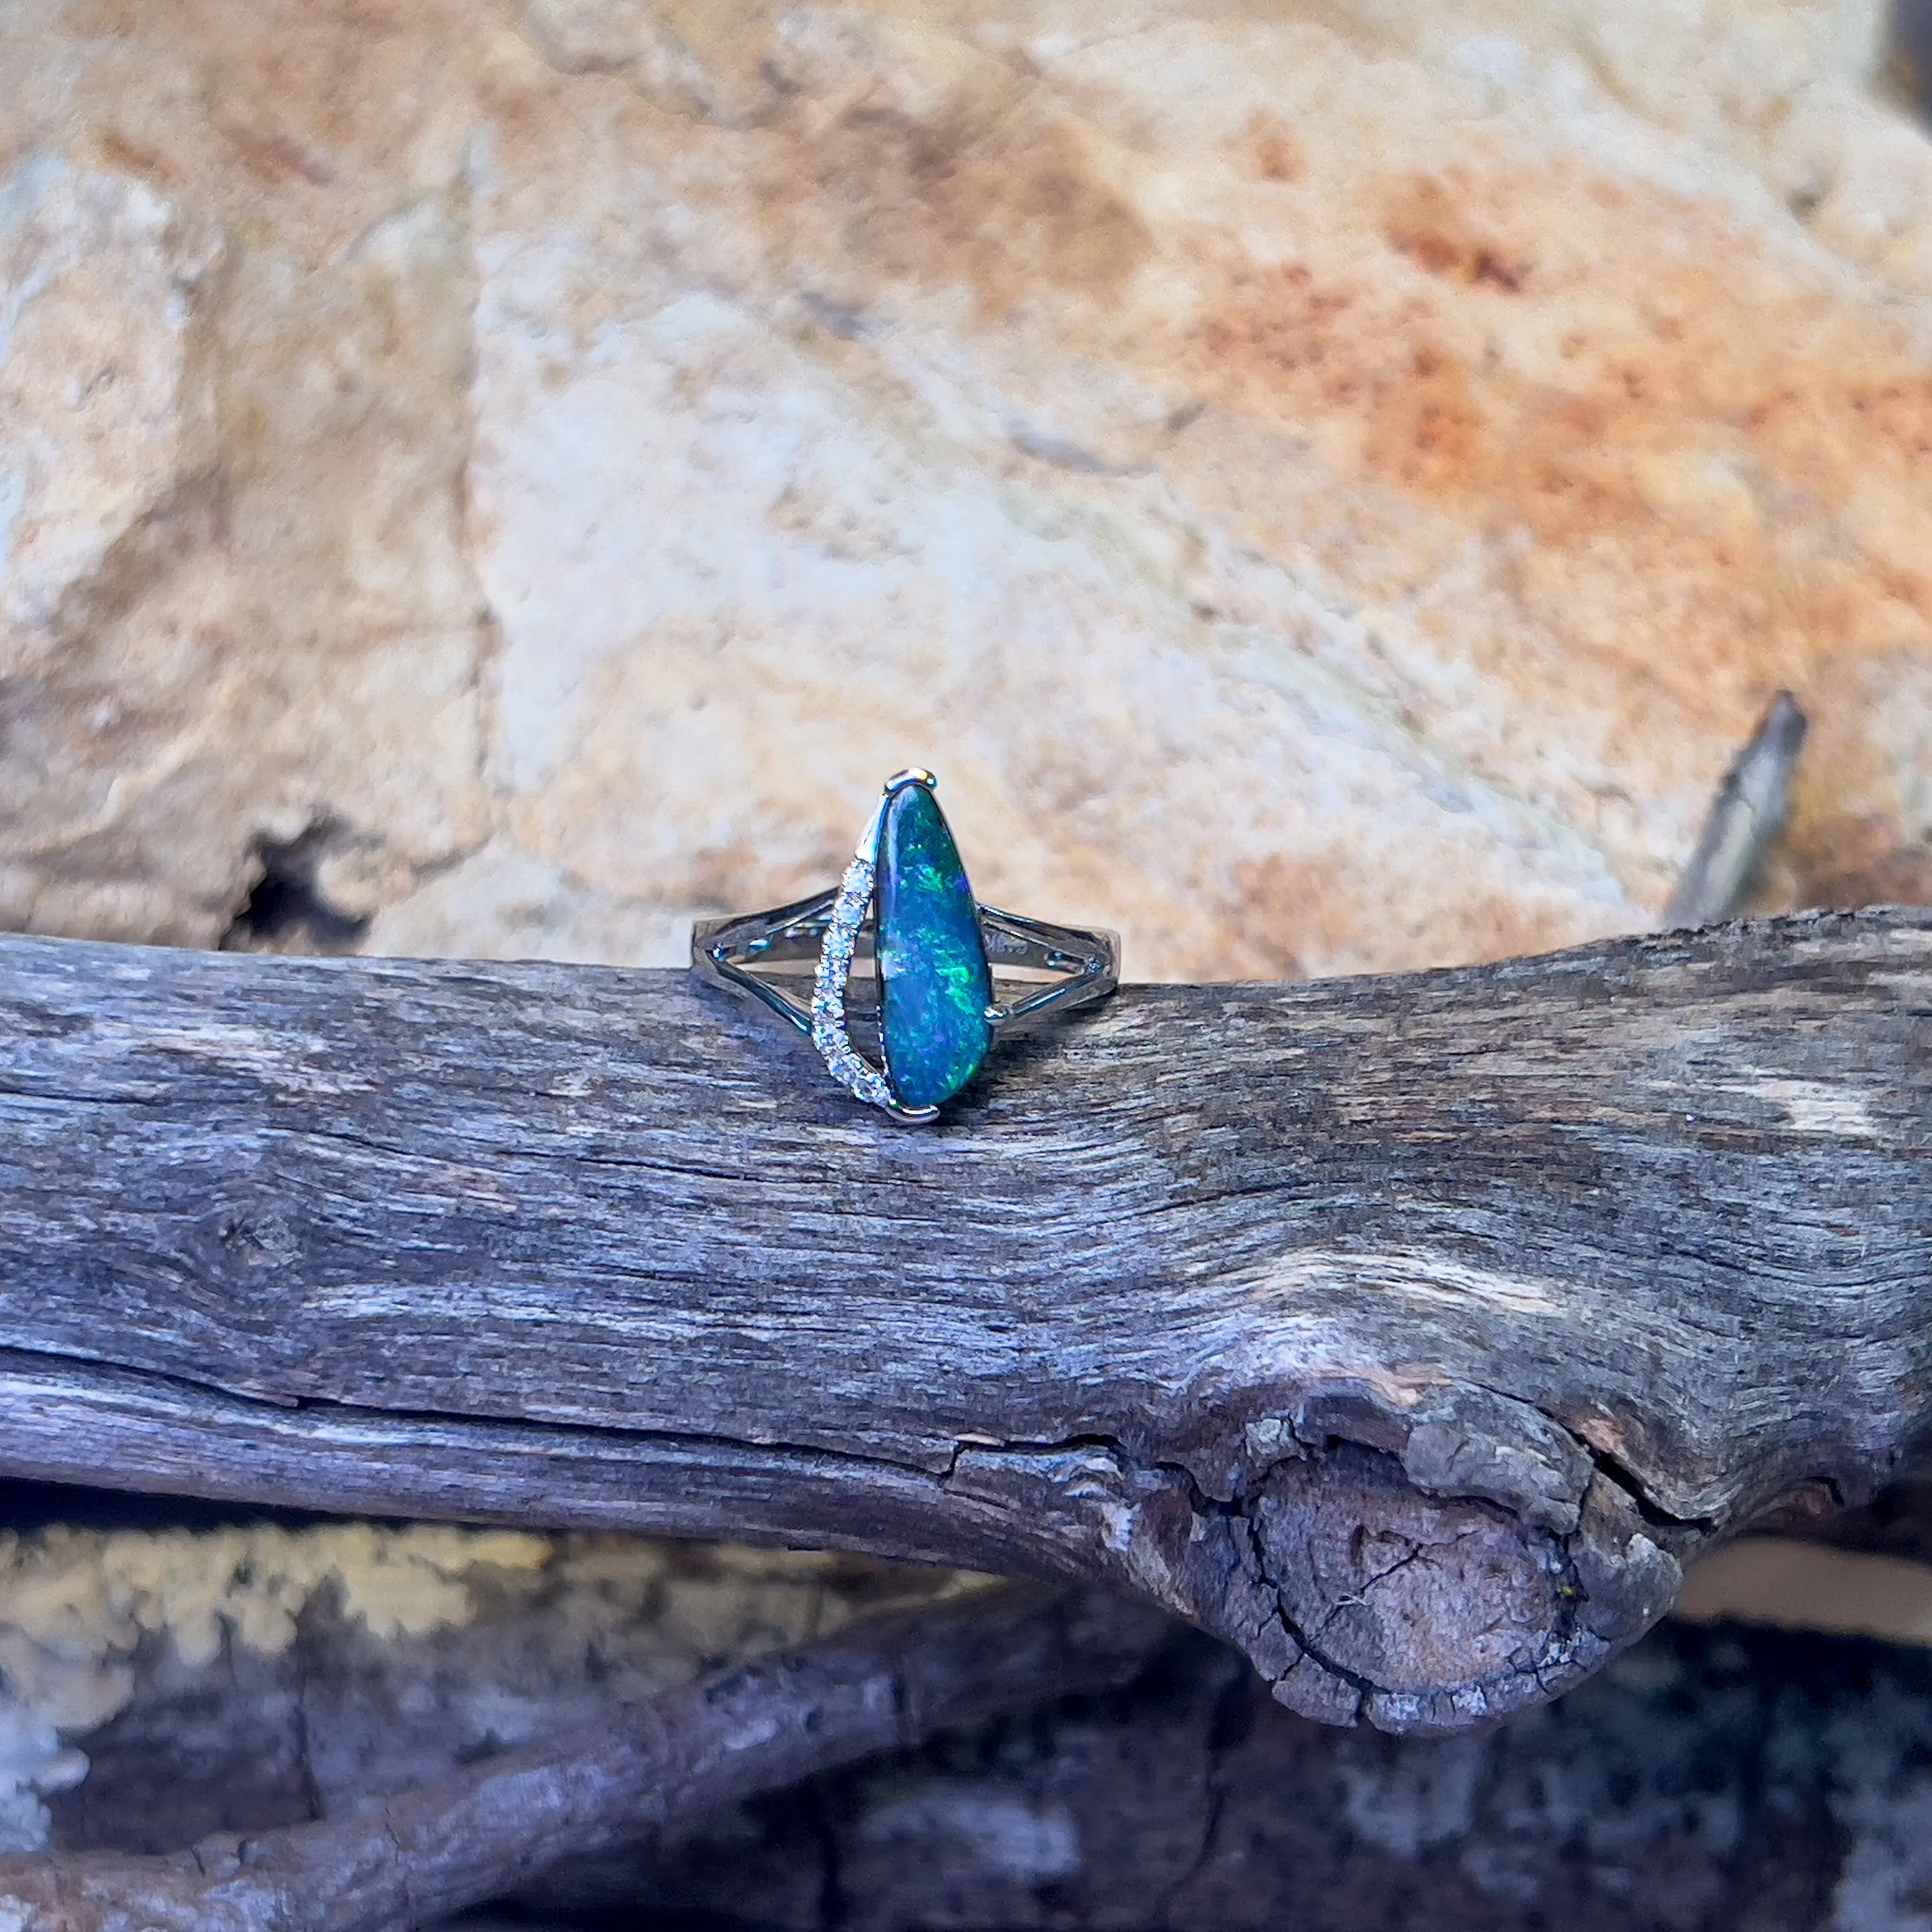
935 985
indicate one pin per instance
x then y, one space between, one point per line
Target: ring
904 900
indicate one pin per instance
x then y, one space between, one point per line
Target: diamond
828 991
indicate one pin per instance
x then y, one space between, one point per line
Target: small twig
1746 816
1908 53
880 1685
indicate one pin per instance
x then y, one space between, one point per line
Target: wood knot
1427 1613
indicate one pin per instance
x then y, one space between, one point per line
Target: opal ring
950 976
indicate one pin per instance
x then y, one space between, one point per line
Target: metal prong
1745 816
867 847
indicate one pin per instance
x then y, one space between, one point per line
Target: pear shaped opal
935 985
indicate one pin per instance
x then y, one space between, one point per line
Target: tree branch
1408 1332
880 1685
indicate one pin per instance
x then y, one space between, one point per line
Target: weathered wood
1710 1778
1409 1332
627 1780
1744 820
250 1676
1726 1779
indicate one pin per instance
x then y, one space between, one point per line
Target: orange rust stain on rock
1272 150
1283 342
1428 221
1738 441
295 121
322 62
129 155
1883 872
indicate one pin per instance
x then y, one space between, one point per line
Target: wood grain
1408 1332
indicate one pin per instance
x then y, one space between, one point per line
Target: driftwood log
1710 1778
1408 1332
1727 1780
626 1783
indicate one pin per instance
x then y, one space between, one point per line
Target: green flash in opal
935 985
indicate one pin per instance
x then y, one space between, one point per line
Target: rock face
1328 487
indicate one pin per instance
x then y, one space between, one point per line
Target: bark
1711 1778
417 1857
1718 1779
245 1677
1408 1332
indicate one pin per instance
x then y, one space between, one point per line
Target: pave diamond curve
829 1032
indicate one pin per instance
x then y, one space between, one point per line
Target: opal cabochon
935 987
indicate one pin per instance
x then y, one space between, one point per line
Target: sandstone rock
1326 489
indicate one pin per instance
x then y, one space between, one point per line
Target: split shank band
951 975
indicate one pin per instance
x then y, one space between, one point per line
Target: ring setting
950 976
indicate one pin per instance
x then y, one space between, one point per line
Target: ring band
905 901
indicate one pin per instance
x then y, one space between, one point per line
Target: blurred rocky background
1328 483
